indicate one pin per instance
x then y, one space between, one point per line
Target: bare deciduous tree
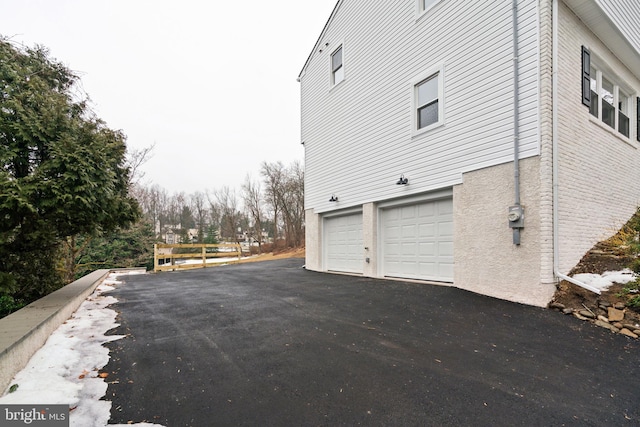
200 213
285 195
226 202
253 204
292 202
135 159
273 174
276 203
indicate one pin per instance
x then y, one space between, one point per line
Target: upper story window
609 102
605 95
337 66
424 5
428 100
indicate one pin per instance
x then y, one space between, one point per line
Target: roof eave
600 23
315 46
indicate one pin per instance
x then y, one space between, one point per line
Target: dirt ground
604 256
289 253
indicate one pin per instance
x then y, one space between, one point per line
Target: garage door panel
343 243
407 212
408 249
427 249
445 207
408 231
426 211
428 269
427 231
424 247
445 228
445 249
446 269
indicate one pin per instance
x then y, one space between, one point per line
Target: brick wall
599 177
546 134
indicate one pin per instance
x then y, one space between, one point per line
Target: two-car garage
414 241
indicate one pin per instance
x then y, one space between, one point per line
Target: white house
484 144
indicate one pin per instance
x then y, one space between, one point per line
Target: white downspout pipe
555 155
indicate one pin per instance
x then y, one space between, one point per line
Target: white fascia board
315 47
598 21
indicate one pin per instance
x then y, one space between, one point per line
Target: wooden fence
164 258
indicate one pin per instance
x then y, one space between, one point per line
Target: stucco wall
370 238
486 260
599 177
312 240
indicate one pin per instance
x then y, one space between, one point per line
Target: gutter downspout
555 154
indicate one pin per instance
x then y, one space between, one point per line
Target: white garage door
417 241
343 243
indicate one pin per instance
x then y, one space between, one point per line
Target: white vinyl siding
425 5
344 249
358 140
625 14
417 241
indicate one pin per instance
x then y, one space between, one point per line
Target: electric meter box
516 216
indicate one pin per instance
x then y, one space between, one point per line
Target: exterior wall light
402 180
333 198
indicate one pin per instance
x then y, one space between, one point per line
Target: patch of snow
66 369
605 280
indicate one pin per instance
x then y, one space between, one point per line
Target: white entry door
344 249
417 241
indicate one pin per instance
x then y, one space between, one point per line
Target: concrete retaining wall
23 333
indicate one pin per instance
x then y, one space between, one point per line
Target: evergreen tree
62 170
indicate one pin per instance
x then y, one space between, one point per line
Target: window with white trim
424 5
609 102
428 101
606 96
337 66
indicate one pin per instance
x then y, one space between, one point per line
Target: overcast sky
211 83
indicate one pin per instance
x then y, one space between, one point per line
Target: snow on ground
605 280
66 369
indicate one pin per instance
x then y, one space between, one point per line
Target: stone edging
609 317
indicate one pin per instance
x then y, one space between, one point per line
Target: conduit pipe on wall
554 155
516 126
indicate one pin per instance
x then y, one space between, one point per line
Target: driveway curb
22 333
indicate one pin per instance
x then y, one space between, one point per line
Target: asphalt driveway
271 344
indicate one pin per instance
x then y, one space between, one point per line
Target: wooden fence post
155 257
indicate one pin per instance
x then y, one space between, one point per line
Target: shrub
267 247
8 305
635 265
